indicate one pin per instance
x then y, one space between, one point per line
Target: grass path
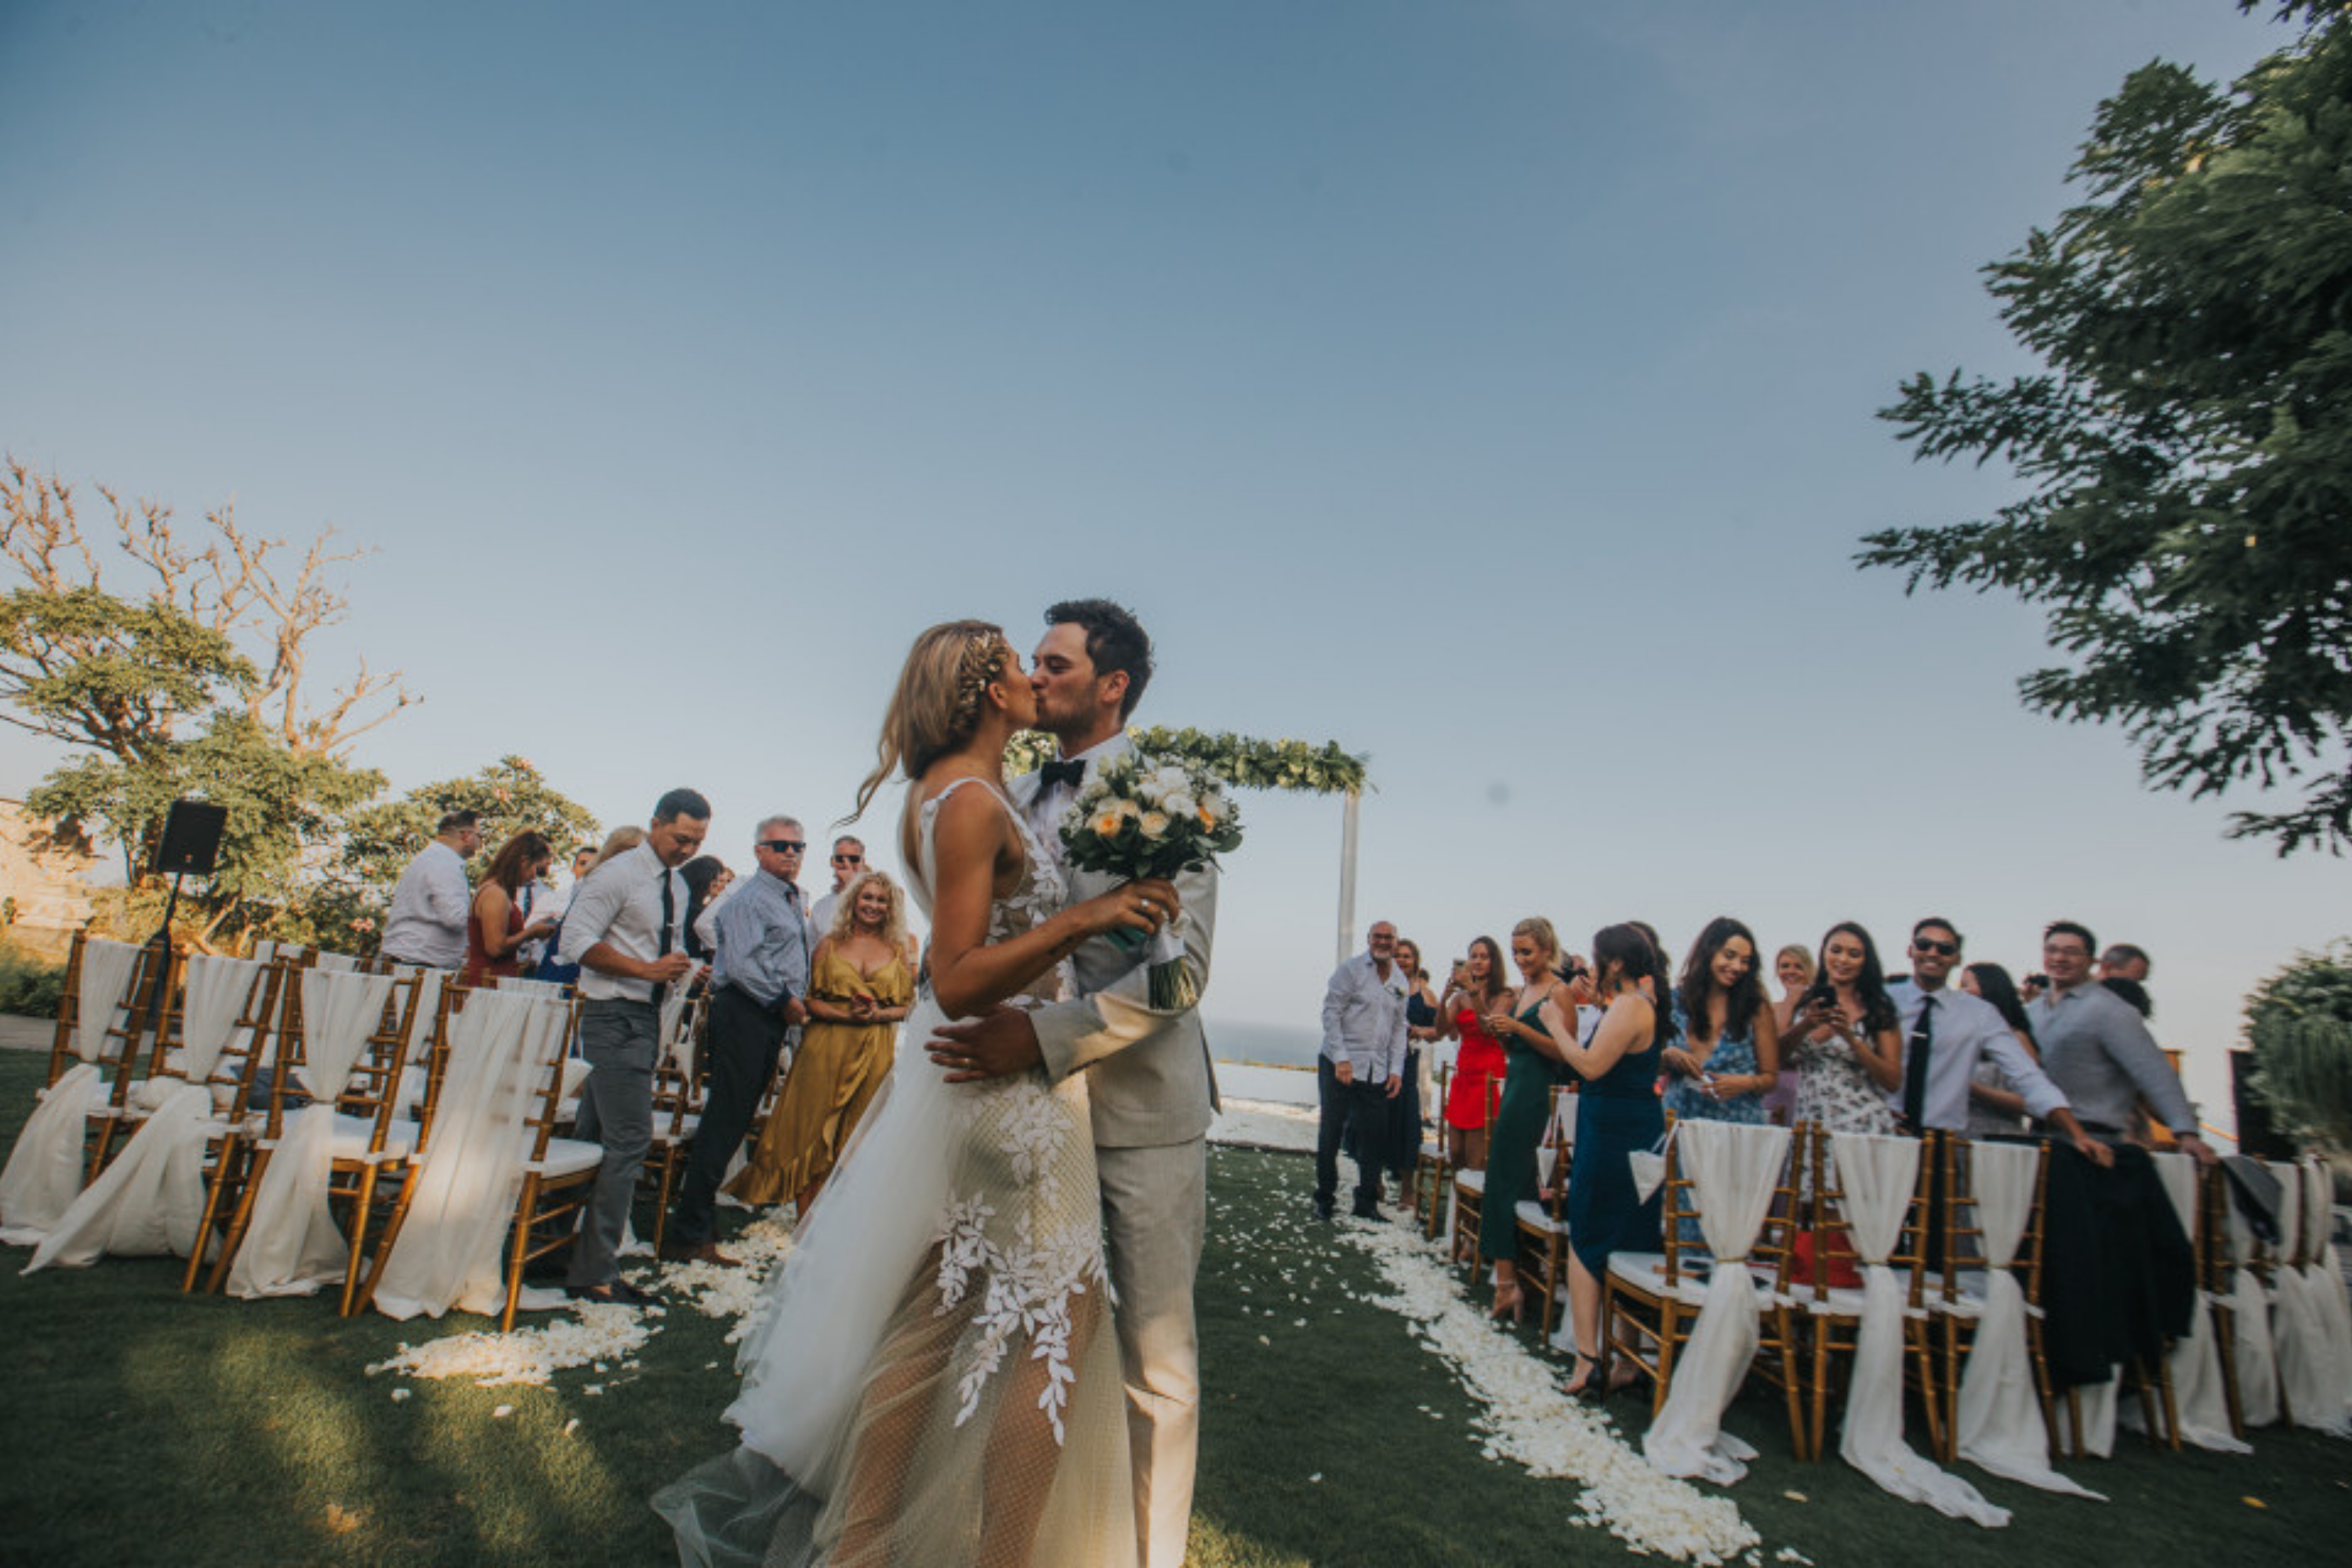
141 1427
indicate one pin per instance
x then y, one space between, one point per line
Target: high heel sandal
1511 1298
1580 1385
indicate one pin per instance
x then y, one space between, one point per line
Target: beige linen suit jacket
1148 1075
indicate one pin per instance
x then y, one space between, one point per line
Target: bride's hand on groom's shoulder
997 1043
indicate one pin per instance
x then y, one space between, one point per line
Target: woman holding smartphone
1847 1043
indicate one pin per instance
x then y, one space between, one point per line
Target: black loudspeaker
2257 1135
192 836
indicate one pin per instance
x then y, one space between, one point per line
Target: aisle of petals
1530 1422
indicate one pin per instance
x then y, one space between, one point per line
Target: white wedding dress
934 1379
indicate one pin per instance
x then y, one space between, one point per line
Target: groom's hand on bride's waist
997 1043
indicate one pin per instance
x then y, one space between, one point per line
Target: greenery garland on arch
1244 761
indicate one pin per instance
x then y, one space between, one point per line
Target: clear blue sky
1486 386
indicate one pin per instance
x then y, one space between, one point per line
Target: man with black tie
625 931
1946 1033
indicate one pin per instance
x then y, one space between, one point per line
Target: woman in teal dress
1533 1071
1726 1053
1617 1112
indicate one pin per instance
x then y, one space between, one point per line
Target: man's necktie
1060 772
662 947
1915 1068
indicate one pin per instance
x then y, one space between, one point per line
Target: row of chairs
1650 1301
260 1065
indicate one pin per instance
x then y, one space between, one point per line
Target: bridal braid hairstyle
937 703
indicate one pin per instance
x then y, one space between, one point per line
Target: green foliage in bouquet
2299 1023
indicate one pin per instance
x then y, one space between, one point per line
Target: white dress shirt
621 904
1363 1019
427 920
1966 1029
1046 808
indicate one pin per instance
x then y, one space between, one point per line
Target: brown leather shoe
695 1252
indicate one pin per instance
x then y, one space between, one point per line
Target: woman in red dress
1477 989
494 929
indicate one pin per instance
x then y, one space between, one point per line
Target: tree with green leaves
2188 443
2299 1027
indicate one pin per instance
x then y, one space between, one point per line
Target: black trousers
1365 1106
740 1047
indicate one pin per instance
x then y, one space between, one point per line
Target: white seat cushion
1646 1272
1471 1181
683 1133
565 1157
1533 1215
353 1134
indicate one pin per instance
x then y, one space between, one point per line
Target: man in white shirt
426 924
1946 1033
1360 1069
848 864
625 930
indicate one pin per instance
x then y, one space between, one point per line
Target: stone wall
44 890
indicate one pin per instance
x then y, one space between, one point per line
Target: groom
1149 1076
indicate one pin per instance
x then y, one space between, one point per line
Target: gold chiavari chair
1470 1188
1432 1168
1958 1293
251 1047
677 1110
1832 1314
1543 1220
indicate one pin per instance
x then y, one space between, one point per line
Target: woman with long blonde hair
934 1381
861 988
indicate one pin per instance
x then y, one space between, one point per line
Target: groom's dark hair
1115 641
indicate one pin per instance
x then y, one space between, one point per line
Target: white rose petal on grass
1530 1422
398 1394
526 1355
502 1412
571 1425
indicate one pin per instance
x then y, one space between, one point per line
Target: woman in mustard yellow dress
861 984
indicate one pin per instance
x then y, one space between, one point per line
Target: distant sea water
1264 1061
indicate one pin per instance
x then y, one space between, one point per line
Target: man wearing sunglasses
1946 1033
759 973
848 864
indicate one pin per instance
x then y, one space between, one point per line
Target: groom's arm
1070 1036
1073 1036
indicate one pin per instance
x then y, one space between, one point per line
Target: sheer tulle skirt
936 1380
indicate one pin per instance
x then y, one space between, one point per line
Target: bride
933 1379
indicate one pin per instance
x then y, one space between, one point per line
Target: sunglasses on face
1942 948
785 846
847 860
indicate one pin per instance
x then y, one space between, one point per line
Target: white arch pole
1347 878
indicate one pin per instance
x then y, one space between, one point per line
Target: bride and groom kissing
952 1366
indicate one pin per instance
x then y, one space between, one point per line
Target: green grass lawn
141 1426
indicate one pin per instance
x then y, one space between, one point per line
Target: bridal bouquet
1141 815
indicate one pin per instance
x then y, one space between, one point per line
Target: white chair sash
676 1048
2252 1349
45 1169
106 970
150 1200
2199 1398
215 994
339 1013
1731 1168
338 962
2314 1369
449 1252
2326 1270
1998 1416
291 1246
1878 1176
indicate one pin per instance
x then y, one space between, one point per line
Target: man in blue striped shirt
758 978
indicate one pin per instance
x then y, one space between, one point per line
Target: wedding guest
1477 1091
860 988
1995 1108
1404 1111
848 864
706 877
1532 1053
1946 1033
2133 992
1848 1047
1727 1054
426 922
1617 1113
550 966
1360 1067
495 930
625 931
2124 961
759 979
1792 966
2097 1049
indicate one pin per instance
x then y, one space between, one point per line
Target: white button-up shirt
1966 1029
1363 1018
426 923
621 904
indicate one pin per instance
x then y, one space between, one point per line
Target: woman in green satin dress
1526 1111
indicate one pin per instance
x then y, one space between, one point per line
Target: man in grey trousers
625 930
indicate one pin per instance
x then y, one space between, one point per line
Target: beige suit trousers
1155 1202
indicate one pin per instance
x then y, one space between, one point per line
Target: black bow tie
1054 774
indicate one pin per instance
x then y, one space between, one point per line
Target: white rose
1154 824
1179 804
1172 778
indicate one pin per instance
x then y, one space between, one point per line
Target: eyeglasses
785 846
847 860
1942 948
